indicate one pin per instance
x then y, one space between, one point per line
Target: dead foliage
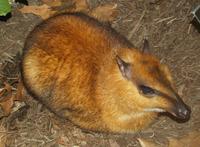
44 11
171 37
105 13
8 97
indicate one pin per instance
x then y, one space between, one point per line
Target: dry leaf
6 105
81 5
6 101
105 13
43 11
181 89
113 143
52 3
7 97
19 96
6 90
147 143
62 140
191 140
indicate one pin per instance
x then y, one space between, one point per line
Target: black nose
183 111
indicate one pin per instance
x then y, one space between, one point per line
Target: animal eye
146 90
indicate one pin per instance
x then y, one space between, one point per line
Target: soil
166 23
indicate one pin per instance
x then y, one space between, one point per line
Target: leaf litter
191 139
106 12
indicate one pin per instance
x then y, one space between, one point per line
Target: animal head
151 83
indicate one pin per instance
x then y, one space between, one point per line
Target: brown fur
69 64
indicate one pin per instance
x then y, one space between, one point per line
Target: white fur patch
126 117
154 110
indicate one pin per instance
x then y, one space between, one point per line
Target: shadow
25 2
5 18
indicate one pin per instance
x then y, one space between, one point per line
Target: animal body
87 73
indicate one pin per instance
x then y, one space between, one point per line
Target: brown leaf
81 5
44 11
19 96
6 101
62 140
107 12
7 105
190 140
6 90
113 143
52 3
7 97
181 89
147 143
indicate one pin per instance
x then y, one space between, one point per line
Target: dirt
172 38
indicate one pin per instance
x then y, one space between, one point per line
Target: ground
172 38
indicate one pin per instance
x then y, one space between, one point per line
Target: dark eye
146 90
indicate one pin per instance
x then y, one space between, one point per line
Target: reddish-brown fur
69 64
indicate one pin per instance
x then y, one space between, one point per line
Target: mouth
181 112
177 108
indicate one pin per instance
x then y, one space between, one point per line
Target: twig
189 28
171 20
136 26
164 19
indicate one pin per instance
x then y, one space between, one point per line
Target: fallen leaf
113 143
147 143
181 89
19 96
44 11
8 98
6 90
62 140
190 140
52 3
6 105
107 12
81 5
6 101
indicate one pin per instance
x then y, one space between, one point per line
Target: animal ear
125 68
146 48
